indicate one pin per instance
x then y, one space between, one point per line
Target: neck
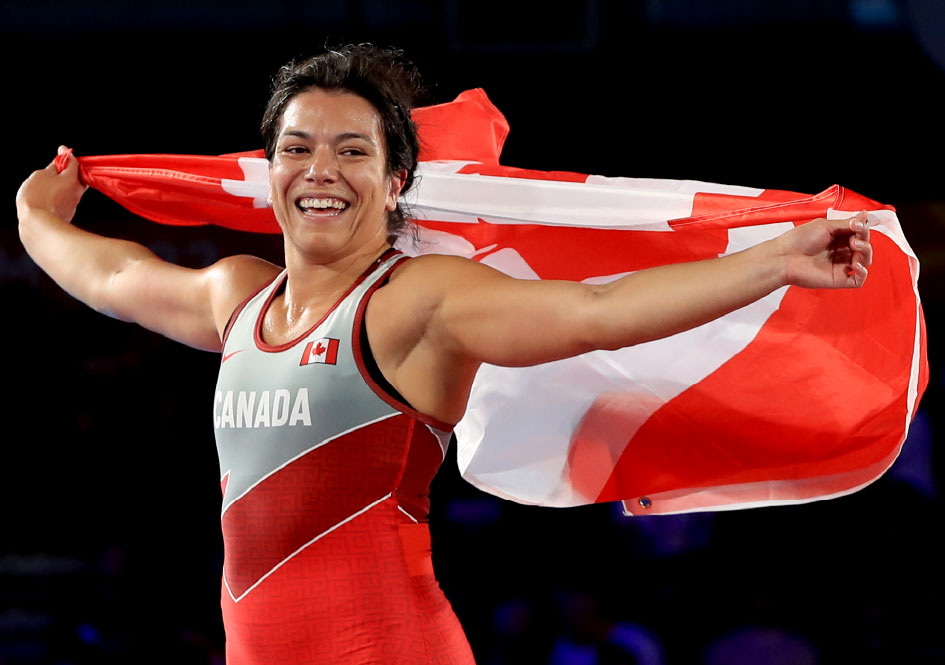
310 285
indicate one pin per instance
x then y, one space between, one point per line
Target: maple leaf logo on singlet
323 351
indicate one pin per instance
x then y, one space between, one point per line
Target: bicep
504 321
490 317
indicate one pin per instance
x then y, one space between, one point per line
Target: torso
436 383
325 477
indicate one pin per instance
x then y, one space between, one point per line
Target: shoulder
234 279
438 262
403 306
236 271
433 274
422 288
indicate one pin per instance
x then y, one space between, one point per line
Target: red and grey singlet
325 477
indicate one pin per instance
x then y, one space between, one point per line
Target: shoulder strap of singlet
367 364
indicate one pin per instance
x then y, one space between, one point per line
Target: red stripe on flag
469 128
805 399
331 354
923 360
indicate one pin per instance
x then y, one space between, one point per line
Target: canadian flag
324 350
805 394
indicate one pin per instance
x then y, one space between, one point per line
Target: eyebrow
344 136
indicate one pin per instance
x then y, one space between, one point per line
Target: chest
275 403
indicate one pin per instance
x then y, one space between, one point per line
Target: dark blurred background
109 506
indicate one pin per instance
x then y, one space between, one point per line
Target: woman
342 374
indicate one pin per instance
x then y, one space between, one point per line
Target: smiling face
328 179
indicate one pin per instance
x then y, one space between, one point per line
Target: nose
323 166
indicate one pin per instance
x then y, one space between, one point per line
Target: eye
352 151
295 150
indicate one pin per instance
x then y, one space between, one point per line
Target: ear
397 181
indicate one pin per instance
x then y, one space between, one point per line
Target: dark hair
382 76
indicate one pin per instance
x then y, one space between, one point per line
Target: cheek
277 196
277 185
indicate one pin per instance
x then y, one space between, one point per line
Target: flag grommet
645 502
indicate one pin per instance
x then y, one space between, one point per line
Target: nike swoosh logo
229 355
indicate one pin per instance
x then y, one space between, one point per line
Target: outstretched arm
469 313
489 317
122 278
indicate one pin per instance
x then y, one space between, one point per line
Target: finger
860 225
860 242
64 159
864 253
858 274
860 252
864 232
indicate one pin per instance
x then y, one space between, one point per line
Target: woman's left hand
833 254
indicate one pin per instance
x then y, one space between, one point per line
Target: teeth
322 204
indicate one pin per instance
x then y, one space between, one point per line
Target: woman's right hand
52 191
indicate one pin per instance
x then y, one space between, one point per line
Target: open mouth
321 207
